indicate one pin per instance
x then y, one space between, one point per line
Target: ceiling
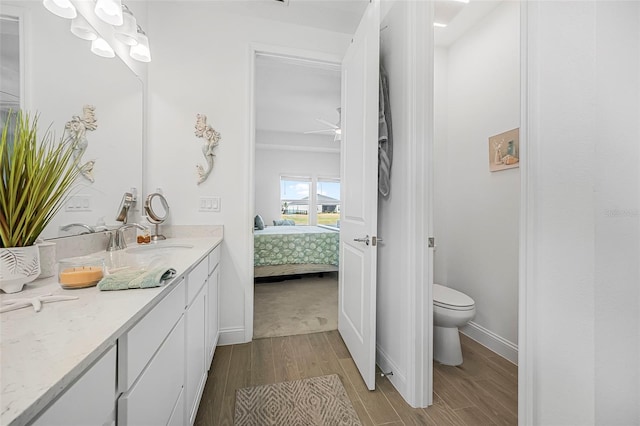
291 94
342 16
460 17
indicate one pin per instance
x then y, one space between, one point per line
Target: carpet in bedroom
300 306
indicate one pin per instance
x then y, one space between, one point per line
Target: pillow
284 222
258 222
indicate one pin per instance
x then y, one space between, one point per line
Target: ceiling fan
333 129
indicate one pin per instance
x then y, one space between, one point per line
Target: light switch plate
79 203
209 204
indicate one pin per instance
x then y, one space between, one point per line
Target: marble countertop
42 353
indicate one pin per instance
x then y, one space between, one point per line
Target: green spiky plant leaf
35 178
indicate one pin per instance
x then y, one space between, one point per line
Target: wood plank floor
483 391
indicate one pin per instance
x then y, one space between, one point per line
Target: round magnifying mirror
157 210
156 207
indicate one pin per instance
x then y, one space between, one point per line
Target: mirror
62 77
157 210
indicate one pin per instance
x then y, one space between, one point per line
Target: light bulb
127 33
110 11
61 8
100 47
81 28
141 52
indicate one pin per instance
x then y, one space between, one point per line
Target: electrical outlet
79 203
209 204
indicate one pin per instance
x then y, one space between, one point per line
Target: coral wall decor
76 130
211 140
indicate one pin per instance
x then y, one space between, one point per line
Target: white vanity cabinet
88 401
153 360
151 363
196 339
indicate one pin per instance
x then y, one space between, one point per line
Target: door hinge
432 242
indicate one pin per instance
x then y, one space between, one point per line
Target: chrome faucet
117 240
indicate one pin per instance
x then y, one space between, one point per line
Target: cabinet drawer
214 259
197 277
137 346
89 401
152 398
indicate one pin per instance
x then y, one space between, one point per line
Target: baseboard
492 341
231 336
398 379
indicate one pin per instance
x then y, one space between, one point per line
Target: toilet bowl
451 309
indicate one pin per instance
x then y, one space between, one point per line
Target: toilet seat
448 298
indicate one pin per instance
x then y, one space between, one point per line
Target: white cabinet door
213 322
152 398
89 401
196 327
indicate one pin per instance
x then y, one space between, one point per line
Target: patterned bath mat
310 402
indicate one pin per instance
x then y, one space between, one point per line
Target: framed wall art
504 150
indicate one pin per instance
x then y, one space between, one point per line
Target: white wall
440 164
477 211
202 65
274 158
581 293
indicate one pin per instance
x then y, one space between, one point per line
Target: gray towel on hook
385 136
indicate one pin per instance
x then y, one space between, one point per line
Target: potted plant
35 177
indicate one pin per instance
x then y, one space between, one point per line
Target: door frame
527 236
420 109
254 50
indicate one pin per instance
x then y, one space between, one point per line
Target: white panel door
359 198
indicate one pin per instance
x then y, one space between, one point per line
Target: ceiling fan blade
333 126
320 131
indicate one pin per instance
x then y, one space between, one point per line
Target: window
294 199
310 201
328 201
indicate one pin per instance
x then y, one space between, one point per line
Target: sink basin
158 247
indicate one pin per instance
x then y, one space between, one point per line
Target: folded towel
136 279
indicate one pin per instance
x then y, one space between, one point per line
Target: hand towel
140 278
385 136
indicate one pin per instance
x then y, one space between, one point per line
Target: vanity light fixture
140 52
439 25
125 27
127 33
100 47
61 8
110 11
81 28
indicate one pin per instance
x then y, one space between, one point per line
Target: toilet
451 309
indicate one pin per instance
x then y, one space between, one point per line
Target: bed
291 250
